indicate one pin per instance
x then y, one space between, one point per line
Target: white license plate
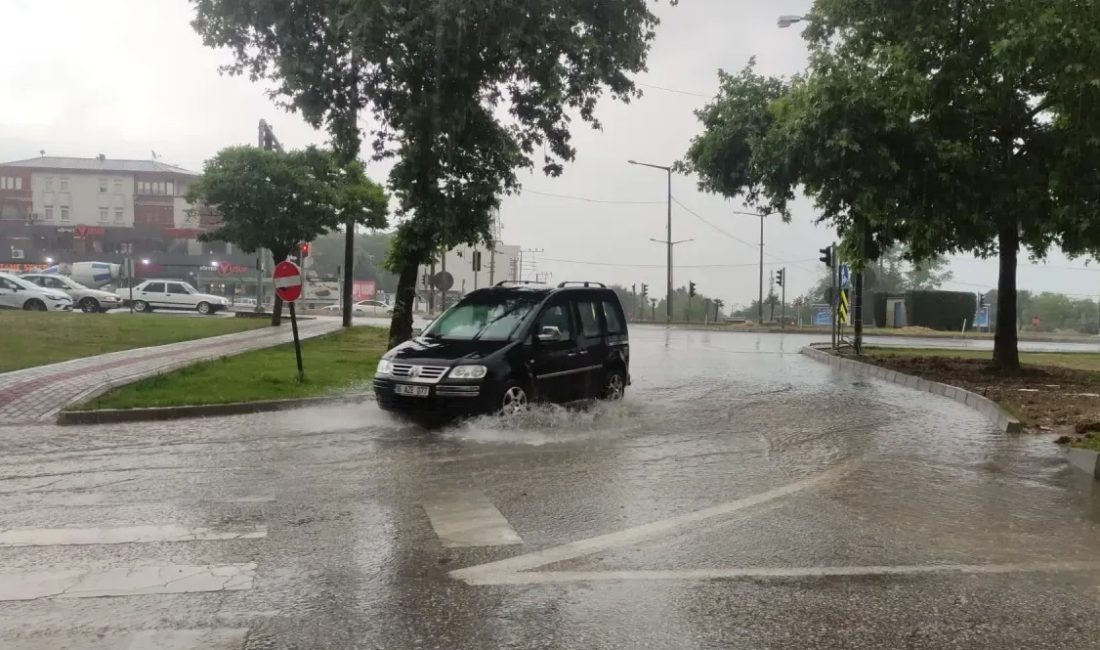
411 391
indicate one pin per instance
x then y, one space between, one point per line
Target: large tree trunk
403 304
1006 354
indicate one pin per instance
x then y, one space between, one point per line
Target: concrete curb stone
1086 460
1004 420
161 413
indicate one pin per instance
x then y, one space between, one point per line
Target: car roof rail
584 283
505 283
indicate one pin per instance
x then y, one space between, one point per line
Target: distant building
64 210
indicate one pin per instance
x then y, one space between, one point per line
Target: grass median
337 363
1055 392
30 338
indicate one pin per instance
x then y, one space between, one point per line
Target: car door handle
573 354
583 352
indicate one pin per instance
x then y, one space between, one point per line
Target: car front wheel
204 308
514 399
90 306
34 304
141 306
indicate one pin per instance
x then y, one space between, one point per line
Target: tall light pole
668 240
786 21
760 301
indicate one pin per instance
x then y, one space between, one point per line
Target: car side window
175 288
612 316
590 319
38 281
6 284
557 316
155 287
54 283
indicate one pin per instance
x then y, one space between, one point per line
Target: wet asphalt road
741 496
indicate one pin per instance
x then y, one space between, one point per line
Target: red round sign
288 281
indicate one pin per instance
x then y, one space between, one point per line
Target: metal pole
760 320
349 272
130 278
492 262
783 310
836 295
669 293
297 343
443 292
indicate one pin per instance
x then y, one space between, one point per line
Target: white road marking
125 535
555 577
208 639
468 518
480 573
125 581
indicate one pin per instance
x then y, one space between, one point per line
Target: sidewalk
36 395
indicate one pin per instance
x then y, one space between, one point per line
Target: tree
464 92
275 200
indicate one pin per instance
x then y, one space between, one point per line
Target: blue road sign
823 315
845 277
981 319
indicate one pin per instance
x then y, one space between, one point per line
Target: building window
49 183
170 188
103 186
11 183
118 186
49 213
64 184
118 215
64 213
19 183
103 215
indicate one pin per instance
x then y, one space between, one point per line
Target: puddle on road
547 424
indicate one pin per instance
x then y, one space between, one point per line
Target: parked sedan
17 293
173 294
363 308
90 301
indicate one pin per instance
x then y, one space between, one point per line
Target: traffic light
645 290
981 301
633 289
779 276
303 248
827 256
691 289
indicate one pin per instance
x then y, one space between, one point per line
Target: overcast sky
128 77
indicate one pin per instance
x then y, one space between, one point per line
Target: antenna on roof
154 155
42 152
101 158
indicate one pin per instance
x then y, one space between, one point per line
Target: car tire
34 304
614 387
142 307
204 308
90 306
514 399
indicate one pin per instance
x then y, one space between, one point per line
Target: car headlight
469 372
54 296
385 367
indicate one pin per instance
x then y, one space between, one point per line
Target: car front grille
445 390
415 373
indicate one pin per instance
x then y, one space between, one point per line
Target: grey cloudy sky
127 77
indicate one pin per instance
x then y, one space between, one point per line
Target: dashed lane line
466 517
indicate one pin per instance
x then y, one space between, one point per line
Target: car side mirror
549 334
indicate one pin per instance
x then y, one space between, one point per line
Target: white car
17 293
90 301
172 294
363 308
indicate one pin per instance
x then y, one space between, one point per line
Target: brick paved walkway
37 394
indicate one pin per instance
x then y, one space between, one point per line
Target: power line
661 266
673 90
700 218
590 200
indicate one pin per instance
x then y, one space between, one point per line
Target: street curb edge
161 413
1003 419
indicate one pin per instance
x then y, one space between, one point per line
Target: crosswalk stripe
467 518
125 535
125 581
207 639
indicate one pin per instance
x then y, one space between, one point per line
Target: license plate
411 391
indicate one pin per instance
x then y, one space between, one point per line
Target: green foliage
370 253
273 200
463 92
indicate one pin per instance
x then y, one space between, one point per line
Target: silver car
88 300
17 293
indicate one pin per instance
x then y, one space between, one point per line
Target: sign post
288 286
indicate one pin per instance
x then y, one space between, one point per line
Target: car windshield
482 320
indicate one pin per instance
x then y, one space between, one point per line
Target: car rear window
614 320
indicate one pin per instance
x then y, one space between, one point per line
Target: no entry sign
288 281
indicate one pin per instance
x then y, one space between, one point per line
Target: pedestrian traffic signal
779 276
827 256
691 289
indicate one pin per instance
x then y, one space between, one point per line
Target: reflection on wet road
742 495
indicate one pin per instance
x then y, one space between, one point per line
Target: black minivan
504 347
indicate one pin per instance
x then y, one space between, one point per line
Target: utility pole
668 234
267 142
761 306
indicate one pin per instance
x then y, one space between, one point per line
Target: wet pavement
741 496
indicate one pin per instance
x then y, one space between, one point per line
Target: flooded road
741 496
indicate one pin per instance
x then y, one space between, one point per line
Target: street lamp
668 241
760 304
786 21
49 260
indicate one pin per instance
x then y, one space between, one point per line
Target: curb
1003 419
160 413
1085 460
